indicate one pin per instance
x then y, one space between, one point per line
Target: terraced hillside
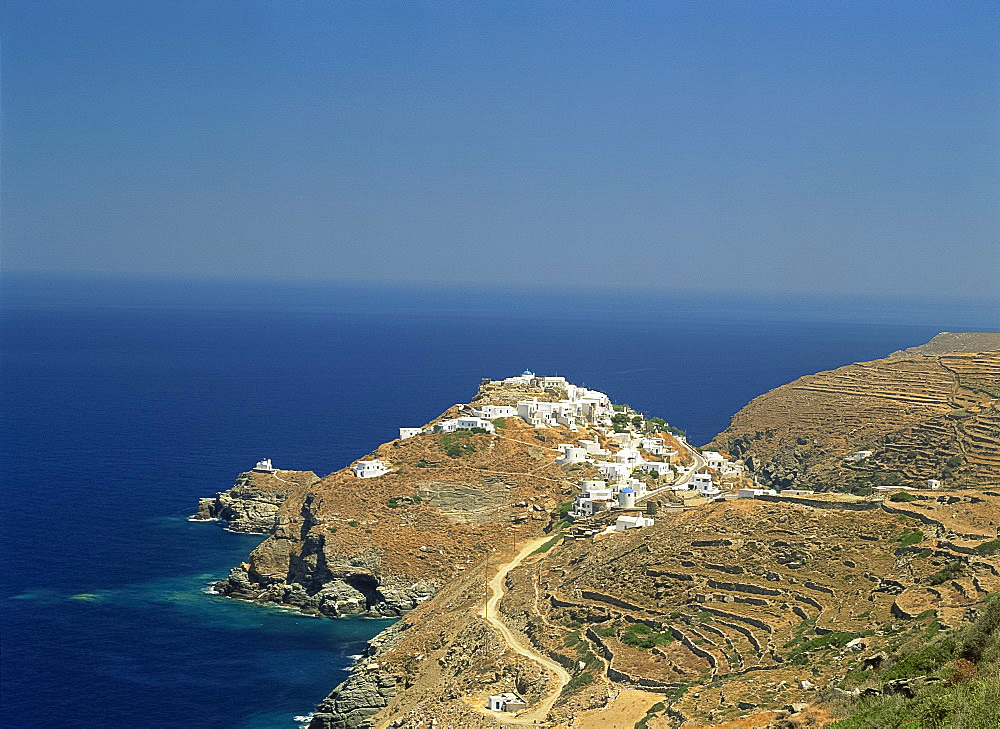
714 613
922 416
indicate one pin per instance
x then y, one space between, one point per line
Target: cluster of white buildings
580 407
598 496
463 422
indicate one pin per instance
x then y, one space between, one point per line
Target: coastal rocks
367 690
252 504
344 594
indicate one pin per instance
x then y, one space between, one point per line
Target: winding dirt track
518 644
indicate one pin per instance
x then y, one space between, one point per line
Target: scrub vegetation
940 680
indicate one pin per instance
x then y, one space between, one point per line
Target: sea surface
123 403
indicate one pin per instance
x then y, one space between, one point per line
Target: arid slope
923 417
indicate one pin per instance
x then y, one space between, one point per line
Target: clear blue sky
738 146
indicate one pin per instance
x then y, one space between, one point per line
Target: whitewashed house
625 440
654 446
718 462
615 471
933 483
702 483
491 412
632 522
593 447
463 422
468 422
594 406
628 456
264 466
405 433
573 455
546 382
594 496
636 485
657 467
859 456
551 414
369 469
506 702
713 459
754 493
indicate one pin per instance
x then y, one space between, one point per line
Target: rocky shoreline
355 587
367 689
251 505
347 593
307 581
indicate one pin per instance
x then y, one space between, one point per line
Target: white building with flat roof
369 469
573 455
615 471
718 462
702 483
633 522
754 493
491 412
468 422
628 456
545 382
657 467
405 433
506 701
592 493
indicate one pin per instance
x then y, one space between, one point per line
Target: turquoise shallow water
117 415
176 655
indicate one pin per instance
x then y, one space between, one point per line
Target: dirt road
520 645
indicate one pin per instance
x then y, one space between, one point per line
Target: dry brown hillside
344 545
923 416
729 610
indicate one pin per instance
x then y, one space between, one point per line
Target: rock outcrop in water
252 504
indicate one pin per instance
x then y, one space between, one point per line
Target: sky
828 148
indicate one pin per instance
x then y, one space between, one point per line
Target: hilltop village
636 458
562 560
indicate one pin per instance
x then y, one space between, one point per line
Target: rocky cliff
251 505
340 545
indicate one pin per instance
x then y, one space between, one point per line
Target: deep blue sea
123 403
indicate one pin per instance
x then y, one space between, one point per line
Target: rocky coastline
306 580
251 505
367 689
351 587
